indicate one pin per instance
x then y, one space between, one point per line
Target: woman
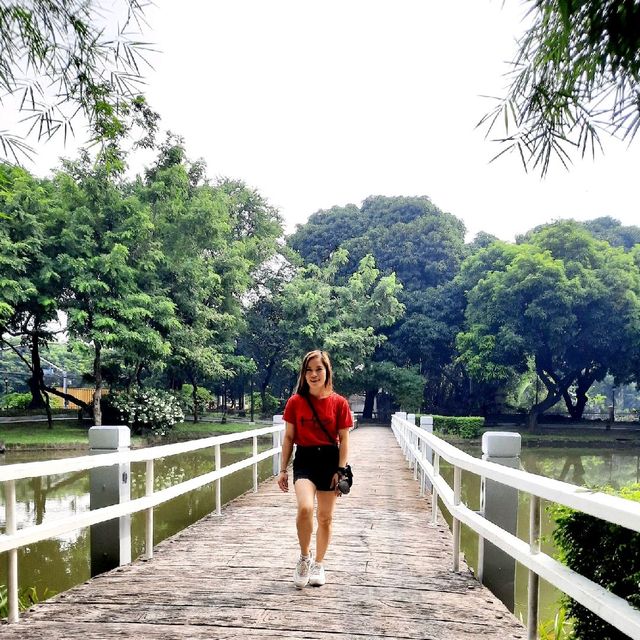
317 422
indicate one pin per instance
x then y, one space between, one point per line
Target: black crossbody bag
347 476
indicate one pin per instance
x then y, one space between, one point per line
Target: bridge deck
388 574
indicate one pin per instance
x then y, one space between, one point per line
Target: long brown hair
303 387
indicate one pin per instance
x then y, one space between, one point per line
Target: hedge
604 552
463 427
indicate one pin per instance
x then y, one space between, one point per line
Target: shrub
606 553
16 400
185 397
148 410
463 427
270 406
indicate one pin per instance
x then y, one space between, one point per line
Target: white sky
322 103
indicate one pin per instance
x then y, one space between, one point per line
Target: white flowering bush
148 410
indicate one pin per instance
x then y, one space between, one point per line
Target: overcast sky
322 103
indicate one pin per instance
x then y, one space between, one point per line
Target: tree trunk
97 395
37 401
195 400
369 399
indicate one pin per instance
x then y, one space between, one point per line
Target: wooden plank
388 574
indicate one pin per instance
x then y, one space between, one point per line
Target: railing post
111 540
457 490
434 492
412 441
12 554
218 466
255 465
426 423
149 512
534 578
277 459
499 504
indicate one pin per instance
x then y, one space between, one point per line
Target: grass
71 434
68 433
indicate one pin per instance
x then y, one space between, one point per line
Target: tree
423 246
213 238
58 60
322 311
565 300
109 252
28 208
577 73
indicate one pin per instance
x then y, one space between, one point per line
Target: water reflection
580 466
63 562
59 563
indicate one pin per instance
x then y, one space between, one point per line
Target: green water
63 562
60 563
580 466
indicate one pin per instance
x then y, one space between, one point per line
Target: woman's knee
305 511
324 518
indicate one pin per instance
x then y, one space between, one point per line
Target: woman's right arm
287 448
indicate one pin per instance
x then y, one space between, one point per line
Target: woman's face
315 374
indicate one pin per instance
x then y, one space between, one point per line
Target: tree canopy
565 300
577 73
58 60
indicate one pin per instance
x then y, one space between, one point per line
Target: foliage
27 597
424 247
577 72
568 301
615 567
557 629
464 427
148 410
266 408
322 311
185 398
16 400
58 60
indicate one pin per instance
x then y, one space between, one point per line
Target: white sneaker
301 573
316 575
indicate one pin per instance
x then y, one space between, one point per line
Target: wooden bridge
389 574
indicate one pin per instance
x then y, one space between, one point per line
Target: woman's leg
326 505
305 492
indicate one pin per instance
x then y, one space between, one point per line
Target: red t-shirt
333 411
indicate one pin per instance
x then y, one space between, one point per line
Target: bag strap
315 415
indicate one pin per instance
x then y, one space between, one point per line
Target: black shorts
318 464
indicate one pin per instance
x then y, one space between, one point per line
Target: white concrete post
426 423
499 504
277 440
111 540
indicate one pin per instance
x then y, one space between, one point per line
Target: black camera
343 485
346 479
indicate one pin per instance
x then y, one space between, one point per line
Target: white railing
615 610
15 538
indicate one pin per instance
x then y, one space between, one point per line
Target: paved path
388 574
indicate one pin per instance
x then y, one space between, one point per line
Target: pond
60 563
581 466
55 565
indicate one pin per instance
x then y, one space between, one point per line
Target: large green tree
566 301
214 237
321 310
577 73
30 282
109 251
424 247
